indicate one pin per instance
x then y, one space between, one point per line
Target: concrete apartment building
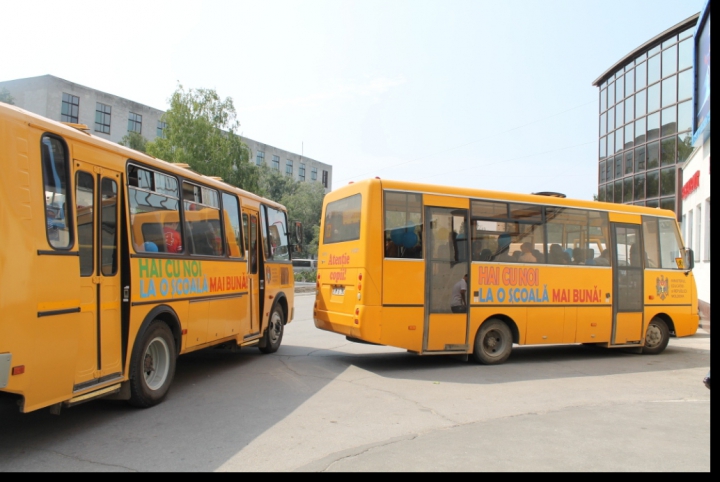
112 117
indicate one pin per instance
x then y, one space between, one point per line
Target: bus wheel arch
668 321
153 359
168 316
273 335
494 340
657 335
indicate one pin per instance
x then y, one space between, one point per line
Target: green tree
6 97
133 140
305 205
201 132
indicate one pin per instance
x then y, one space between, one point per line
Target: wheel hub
653 336
149 365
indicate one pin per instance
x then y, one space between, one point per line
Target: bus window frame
69 198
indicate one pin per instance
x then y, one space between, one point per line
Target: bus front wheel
152 366
274 332
656 337
493 343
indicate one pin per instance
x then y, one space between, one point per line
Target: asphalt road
324 404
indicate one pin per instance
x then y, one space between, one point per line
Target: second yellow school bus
447 270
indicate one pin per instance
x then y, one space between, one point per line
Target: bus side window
231 218
55 175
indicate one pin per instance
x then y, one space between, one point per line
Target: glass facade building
645 120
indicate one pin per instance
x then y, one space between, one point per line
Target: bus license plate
338 290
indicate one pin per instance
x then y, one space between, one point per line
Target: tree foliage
6 97
201 132
136 141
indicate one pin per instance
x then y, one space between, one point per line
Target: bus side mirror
689 259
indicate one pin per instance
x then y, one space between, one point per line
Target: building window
161 126
135 123
260 158
313 174
275 163
325 179
70 108
644 107
698 229
301 172
289 167
102 118
706 247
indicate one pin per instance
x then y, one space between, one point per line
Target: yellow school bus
448 270
113 263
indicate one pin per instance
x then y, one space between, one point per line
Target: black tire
274 332
493 343
152 366
657 337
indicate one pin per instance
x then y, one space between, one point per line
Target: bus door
250 226
447 269
627 283
97 209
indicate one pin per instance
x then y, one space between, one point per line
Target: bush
306 276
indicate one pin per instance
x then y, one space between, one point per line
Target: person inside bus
459 291
502 254
173 240
485 255
557 255
526 255
603 259
391 249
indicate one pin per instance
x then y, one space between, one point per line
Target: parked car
304 264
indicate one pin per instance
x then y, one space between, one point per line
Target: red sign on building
691 185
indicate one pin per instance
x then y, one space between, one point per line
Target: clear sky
475 93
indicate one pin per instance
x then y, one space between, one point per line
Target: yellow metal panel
570 326
594 324
624 218
545 325
446 329
628 327
196 324
403 327
445 201
403 282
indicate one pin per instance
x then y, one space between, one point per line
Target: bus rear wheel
152 366
656 337
274 332
493 343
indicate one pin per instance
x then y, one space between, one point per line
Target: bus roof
67 131
486 194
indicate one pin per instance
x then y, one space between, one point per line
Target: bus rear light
184 332
357 311
18 370
318 276
360 277
359 287
412 327
357 322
